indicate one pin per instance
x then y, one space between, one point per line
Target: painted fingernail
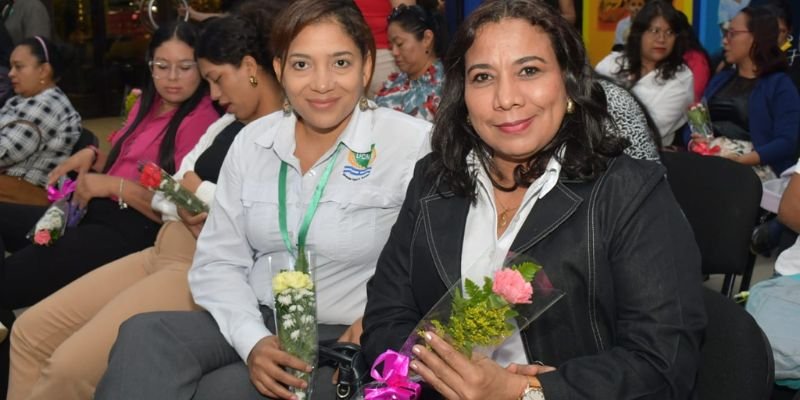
428 336
414 366
416 349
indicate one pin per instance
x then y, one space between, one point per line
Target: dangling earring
363 104
41 82
253 81
287 107
570 106
469 121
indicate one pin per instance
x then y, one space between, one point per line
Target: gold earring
570 106
253 81
469 121
363 104
287 107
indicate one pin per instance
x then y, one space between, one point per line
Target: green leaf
528 270
472 289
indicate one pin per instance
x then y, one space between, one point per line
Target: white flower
308 319
288 323
294 335
285 299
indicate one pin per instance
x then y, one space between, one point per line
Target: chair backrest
736 356
86 138
720 199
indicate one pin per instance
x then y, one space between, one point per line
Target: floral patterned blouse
416 97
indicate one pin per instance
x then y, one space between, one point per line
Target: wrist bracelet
94 150
122 204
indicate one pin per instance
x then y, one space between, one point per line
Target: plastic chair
736 355
720 199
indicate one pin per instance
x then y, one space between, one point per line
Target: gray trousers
182 355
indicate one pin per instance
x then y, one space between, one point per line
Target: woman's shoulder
611 64
394 122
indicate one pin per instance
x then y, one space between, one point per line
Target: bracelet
122 204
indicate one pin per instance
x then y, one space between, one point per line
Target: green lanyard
312 207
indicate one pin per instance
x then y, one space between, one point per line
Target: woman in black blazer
521 163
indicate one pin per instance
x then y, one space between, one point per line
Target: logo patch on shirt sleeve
359 165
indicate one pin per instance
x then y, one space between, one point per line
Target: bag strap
349 359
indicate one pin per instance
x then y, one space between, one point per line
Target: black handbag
353 368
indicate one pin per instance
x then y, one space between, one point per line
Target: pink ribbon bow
396 385
54 194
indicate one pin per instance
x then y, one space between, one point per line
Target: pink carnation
512 287
42 237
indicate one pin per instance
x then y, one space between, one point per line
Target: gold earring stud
363 104
570 106
253 81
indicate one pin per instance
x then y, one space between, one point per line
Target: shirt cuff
205 192
247 336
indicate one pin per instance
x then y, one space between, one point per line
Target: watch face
534 394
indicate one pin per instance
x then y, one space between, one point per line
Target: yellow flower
291 280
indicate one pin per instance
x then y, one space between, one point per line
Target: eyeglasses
657 32
163 69
730 33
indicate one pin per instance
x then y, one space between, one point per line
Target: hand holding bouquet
475 318
59 216
155 178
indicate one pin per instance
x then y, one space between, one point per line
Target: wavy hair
186 33
668 67
765 52
581 132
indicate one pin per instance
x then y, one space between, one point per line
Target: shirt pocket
351 230
260 212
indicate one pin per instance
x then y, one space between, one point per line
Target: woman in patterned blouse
416 40
38 126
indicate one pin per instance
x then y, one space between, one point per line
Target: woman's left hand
91 185
457 377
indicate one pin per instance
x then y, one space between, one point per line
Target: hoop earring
570 106
287 107
253 81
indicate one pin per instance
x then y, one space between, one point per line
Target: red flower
151 176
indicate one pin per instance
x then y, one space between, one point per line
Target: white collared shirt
484 253
666 100
230 276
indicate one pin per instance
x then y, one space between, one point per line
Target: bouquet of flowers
155 178
474 317
59 216
294 292
700 123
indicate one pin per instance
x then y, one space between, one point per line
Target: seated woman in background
171 115
38 126
754 108
60 346
652 66
356 157
520 163
696 59
416 37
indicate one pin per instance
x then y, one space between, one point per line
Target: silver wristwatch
532 393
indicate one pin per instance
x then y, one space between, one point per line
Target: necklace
503 217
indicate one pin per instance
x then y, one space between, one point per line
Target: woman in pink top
174 111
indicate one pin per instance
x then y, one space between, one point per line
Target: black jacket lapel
548 213
444 218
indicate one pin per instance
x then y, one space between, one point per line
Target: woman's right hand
80 162
266 362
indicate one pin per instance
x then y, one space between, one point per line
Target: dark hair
302 13
765 52
692 41
166 153
641 23
50 55
228 39
782 10
416 20
587 146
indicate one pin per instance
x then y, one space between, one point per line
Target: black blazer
631 321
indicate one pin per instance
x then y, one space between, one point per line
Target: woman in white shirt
60 346
652 67
324 56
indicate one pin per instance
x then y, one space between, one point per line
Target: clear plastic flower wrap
59 216
472 317
295 295
156 179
